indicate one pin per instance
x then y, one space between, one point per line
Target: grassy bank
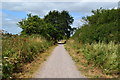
20 50
29 69
96 59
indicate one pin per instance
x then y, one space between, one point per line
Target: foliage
31 25
18 50
105 32
98 40
103 25
35 25
54 26
101 16
102 55
106 56
61 21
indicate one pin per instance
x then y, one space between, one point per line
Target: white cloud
42 8
60 0
7 19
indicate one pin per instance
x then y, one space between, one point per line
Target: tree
101 16
33 24
61 21
103 25
55 25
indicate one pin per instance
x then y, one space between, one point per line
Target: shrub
18 50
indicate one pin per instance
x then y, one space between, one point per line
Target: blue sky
15 13
12 12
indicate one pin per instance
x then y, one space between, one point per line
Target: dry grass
18 51
30 68
87 69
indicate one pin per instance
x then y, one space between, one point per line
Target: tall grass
106 56
102 55
18 50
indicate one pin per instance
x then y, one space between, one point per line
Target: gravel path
58 65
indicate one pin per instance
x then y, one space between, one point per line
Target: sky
13 11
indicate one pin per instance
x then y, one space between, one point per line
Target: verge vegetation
20 50
98 42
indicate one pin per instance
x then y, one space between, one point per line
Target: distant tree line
54 26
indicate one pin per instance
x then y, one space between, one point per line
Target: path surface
59 65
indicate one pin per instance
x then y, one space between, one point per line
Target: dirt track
58 65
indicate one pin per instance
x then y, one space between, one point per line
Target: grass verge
18 51
86 61
30 68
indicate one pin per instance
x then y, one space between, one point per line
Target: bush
18 50
103 55
105 32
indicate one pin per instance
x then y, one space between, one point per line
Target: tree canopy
61 21
103 25
101 16
55 25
